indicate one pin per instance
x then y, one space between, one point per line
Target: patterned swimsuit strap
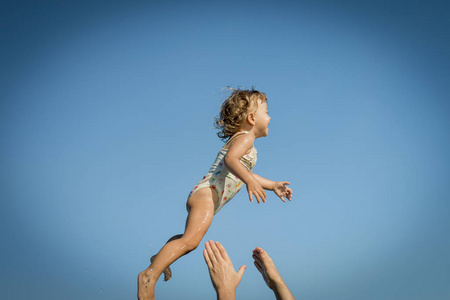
234 136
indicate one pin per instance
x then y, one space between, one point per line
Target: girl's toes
167 273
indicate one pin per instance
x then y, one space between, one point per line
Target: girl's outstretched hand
283 191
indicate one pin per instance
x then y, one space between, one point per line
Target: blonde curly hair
234 110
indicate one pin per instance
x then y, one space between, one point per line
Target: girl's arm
280 188
237 149
267 184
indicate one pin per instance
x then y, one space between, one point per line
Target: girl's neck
231 140
249 129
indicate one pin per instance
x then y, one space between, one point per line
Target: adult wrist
279 284
226 294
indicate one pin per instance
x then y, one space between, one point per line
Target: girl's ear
251 118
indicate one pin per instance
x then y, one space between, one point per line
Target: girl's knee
190 244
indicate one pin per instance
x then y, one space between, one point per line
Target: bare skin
256 124
167 271
201 211
224 278
201 204
265 265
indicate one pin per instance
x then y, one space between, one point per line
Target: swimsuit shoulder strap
235 135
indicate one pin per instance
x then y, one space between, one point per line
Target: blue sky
106 120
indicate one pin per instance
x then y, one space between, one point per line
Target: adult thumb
241 271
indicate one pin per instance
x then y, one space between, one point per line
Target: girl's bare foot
147 281
167 272
146 285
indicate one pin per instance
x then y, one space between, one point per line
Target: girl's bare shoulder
242 142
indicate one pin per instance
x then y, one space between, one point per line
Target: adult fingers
259 251
257 259
241 271
222 251
210 252
261 254
265 258
215 250
258 267
207 259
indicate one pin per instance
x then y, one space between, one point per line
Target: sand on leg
200 214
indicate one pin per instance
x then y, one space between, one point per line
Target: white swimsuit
220 178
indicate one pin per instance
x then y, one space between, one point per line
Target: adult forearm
282 292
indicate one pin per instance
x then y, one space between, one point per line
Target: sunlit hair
235 109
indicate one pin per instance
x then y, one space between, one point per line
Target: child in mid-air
243 118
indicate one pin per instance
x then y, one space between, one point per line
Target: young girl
243 118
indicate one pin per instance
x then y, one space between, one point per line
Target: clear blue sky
106 120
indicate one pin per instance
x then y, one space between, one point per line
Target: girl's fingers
259 196
262 194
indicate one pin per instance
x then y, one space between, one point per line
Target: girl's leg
201 211
167 272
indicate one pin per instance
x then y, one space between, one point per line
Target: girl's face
262 119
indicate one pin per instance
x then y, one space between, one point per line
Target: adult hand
265 265
224 278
